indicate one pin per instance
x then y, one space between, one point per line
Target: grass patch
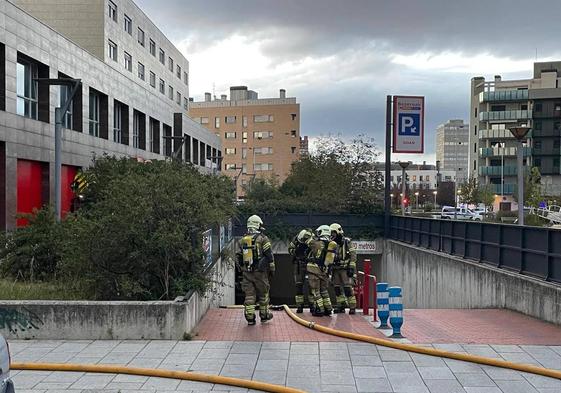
13 290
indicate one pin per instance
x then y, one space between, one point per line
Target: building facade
452 148
115 111
260 136
498 105
304 146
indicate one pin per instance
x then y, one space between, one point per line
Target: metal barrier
534 251
362 291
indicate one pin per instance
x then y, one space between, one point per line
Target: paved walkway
311 366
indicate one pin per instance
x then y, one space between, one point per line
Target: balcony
508 170
495 134
503 95
506 189
502 151
505 115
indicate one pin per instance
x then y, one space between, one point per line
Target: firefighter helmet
338 229
255 223
323 231
304 235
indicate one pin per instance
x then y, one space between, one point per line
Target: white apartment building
452 148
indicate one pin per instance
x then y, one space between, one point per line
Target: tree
468 192
485 196
533 192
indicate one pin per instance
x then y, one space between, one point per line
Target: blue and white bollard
382 303
396 311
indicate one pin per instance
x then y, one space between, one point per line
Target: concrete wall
83 320
436 280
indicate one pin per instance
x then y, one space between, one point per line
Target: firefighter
258 265
320 257
298 248
343 271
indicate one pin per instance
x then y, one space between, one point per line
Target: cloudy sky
341 58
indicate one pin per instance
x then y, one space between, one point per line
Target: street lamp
520 133
391 201
417 199
403 165
434 193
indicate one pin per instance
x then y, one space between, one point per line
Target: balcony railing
502 151
495 134
506 189
506 115
503 95
508 170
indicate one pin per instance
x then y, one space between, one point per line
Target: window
538 107
94 113
498 108
170 92
244 169
556 162
262 167
244 121
244 137
128 25
230 150
263 150
263 118
178 71
203 120
229 135
557 106
152 79
112 11
557 125
112 50
152 48
185 103
185 78
475 147
537 162
415 178
136 129
556 144
141 71
244 153
26 89
263 134
178 98
154 136
230 167
524 107
64 93
293 149
140 37
537 144
475 130
162 86
475 112
128 62
216 122
293 133
170 64
162 56
293 116
230 119
117 122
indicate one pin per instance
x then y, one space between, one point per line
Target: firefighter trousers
255 285
300 274
319 285
343 286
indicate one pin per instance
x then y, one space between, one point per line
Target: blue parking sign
409 124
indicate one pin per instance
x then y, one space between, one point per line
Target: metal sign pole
387 168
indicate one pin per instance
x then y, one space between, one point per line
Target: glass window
26 89
152 48
230 150
185 103
94 113
263 134
64 94
117 122
230 119
162 56
185 78
244 121
230 167
230 135
162 86
112 50
152 79
128 25
141 71
244 152
178 98
170 64
112 11
293 116
204 120
178 71
216 122
135 129
244 137
170 92
140 36
293 133
128 62
263 118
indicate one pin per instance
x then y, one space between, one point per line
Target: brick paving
230 325
481 326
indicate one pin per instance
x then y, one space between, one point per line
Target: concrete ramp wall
84 320
432 279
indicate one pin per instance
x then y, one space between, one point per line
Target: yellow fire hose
528 368
267 387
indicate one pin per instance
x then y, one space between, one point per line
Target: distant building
304 152
260 136
498 105
452 148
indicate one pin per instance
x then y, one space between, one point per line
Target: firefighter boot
327 312
300 309
251 322
352 311
266 317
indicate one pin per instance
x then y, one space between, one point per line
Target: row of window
256 167
141 36
425 178
256 150
141 75
233 119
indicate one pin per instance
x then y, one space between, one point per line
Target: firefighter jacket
255 253
346 255
322 253
298 250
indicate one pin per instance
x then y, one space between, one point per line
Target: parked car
6 384
459 213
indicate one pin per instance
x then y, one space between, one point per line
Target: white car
459 213
6 384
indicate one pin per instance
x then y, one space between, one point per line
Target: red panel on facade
29 184
68 173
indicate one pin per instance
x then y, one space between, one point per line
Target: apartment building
260 136
452 148
304 146
115 111
498 105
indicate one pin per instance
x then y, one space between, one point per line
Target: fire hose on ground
267 387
